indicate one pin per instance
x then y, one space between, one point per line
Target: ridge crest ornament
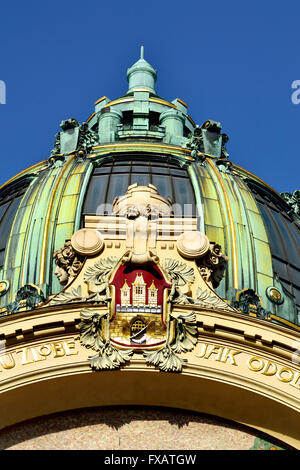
138 288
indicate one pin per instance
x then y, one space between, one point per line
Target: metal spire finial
141 75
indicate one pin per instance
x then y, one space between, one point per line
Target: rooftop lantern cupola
141 75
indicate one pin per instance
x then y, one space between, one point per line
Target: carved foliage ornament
107 357
28 296
293 200
207 139
248 302
82 140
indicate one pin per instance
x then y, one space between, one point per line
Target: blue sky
232 62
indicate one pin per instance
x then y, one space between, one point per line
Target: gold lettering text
203 351
44 350
7 361
223 354
285 370
258 367
295 381
27 353
24 352
69 347
229 354
214 350
36 356
58 349
269 369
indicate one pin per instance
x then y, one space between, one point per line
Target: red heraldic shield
139 306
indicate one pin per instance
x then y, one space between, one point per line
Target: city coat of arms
141 273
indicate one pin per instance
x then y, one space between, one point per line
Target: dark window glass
96 194
178 172
118 184
280 268
7 220
102 171
141 179
140 162
112 179
163 184
293 251
296 233
7 214
121 169
3 209
297 295
295 275
139 169
275 240
284 239
183 192
160 171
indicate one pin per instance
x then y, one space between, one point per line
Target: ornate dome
141 245
141 138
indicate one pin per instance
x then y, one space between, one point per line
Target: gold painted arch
75 388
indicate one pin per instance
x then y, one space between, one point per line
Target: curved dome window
284 237
10 199
112 178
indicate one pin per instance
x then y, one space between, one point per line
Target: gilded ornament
206 298
4 286
180 274
274 295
